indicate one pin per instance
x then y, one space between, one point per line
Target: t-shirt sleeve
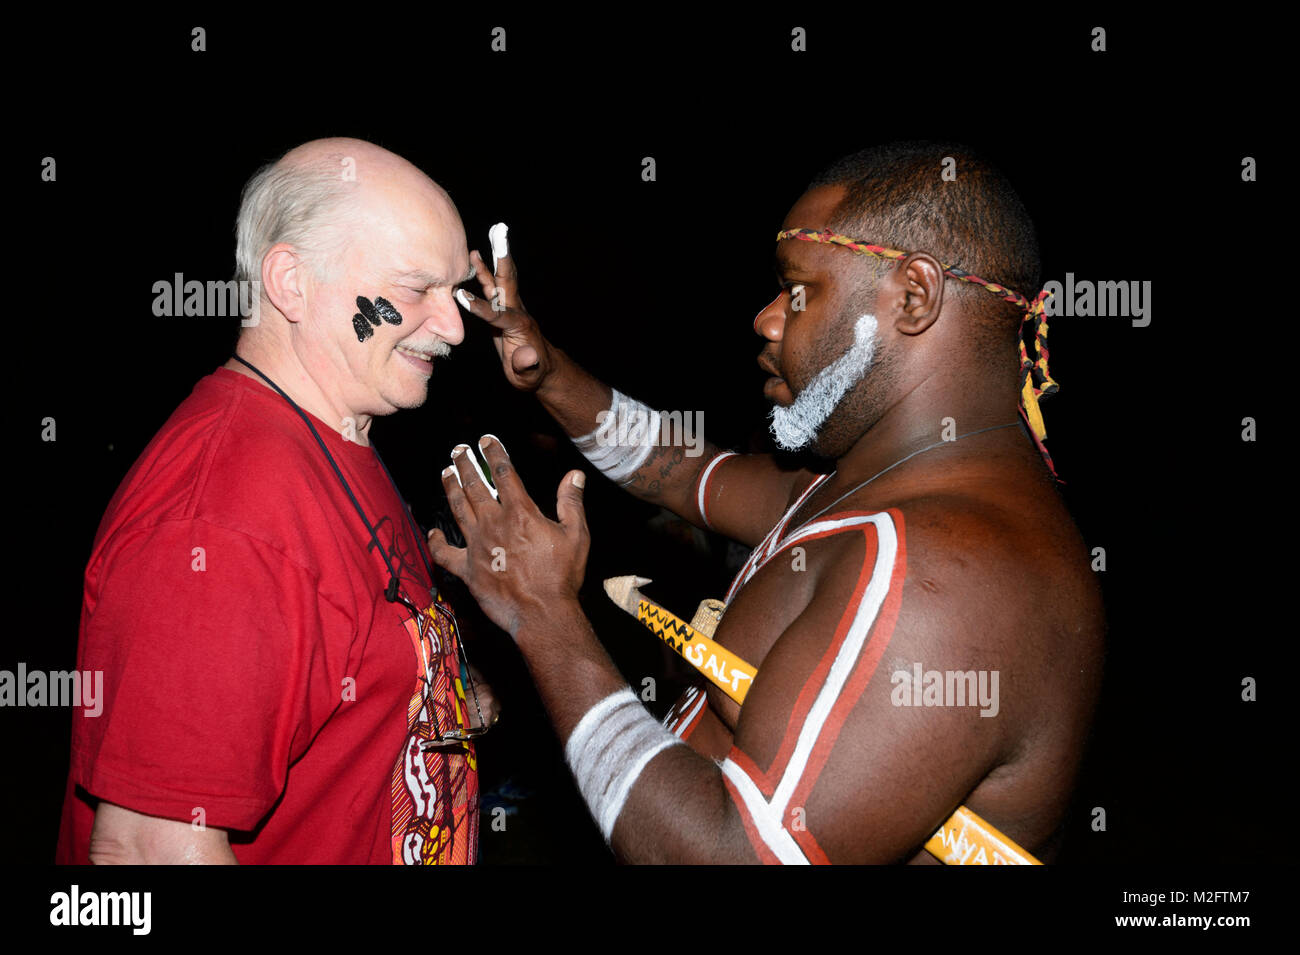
220 661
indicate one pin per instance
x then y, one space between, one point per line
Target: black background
1129 162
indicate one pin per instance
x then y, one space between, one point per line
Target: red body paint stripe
808 844
767 781
695 720
751 769
882 633
882 630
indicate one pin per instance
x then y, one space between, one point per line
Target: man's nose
770 322
444 319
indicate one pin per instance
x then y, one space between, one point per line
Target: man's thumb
524 359
568 500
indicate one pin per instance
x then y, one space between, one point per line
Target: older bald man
283 680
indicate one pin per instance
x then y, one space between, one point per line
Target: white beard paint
795 427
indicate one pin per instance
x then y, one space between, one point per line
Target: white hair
303 204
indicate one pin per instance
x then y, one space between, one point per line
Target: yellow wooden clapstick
966 839
728 671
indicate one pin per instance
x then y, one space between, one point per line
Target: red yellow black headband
1036 381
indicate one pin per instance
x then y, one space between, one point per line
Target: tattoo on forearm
650 479
676 458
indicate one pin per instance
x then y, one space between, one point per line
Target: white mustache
439 348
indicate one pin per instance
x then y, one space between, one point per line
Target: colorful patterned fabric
435 791
1036 381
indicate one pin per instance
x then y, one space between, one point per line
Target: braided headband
1036 381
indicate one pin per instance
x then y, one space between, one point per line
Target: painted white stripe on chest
770 814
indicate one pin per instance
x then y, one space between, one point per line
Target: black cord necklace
928 447
394 582
390 592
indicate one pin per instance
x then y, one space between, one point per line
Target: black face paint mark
372 314
387 312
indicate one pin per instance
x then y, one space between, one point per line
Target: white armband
609 748
622 442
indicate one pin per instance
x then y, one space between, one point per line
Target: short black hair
896 196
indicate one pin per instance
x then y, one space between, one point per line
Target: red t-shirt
255 677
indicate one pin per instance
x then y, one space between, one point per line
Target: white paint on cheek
500 246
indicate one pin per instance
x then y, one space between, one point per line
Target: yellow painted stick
965 839
732 674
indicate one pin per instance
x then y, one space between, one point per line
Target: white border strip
768 816
689 717
704 483
774 835
846 658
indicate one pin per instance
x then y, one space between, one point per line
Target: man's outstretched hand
526 356
516 561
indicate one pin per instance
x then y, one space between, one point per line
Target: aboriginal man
936 543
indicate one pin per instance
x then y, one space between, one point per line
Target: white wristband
621 444
607 751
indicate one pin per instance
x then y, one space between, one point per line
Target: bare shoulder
1009 583
998 570
1012 555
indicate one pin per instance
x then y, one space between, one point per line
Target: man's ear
283 281
917 287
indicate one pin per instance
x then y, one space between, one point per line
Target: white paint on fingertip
483 476
456 452
500 245
463 297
